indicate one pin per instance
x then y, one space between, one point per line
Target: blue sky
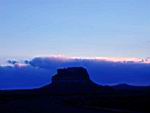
104 28
38 72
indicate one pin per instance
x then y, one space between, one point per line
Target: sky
38 72
89 28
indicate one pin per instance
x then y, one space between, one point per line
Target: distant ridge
130 87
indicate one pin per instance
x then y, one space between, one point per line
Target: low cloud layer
105 71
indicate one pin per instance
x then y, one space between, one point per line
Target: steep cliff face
70 76
72 80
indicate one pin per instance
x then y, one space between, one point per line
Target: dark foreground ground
14 103
43 105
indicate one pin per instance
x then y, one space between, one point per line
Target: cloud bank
105 71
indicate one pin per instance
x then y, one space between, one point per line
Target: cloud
105 71
102 70
12 61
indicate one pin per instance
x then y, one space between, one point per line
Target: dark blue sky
38 71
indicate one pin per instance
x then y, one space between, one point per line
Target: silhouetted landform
73 80
129 87
72 91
